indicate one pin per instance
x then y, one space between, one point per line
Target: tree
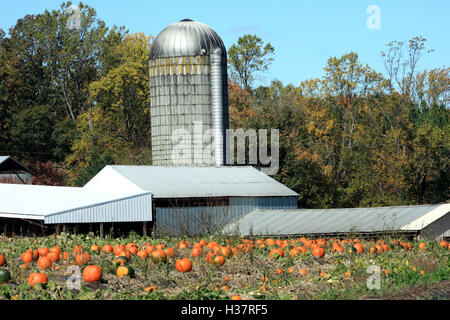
117 126
248 57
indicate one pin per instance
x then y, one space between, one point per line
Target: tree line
73 100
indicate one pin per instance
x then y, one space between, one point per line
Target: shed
430 221
13 172
196 200
27 205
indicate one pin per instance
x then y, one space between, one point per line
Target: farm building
12 171
193 200
37 210
430 221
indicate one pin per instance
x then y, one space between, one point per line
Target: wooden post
102 233
144 229
58 226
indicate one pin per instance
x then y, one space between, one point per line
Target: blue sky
305 33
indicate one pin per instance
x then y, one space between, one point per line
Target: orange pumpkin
159 255
169 252
95 248
118 248
303 271
92 273
36 278
276 253
196 251
56 249
142 254
107 248
44 262
27 256
53 256
359 247
82 258
43 251
236 297
443 244
219 260
183 265
78 249
2 260
318 252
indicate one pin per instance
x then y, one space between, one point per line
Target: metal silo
188 89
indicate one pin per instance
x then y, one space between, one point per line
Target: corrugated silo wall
207 219
16 178
179 97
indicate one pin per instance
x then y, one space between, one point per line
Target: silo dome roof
185 38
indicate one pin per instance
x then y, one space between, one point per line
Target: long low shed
59 205
427 220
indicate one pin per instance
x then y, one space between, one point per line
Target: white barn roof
189 182
73 205
333 221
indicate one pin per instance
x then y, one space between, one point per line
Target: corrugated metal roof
323 221
72 205
190 182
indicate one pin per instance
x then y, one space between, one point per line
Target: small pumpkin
36 277
183 265
219 260
142 254
53 256
5 276
107 248
196 251
92 273
95 248
82 258
159 255
121 260
124 271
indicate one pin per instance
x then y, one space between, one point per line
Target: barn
428 221
12 171
197 200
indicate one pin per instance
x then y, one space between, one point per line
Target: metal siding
169 219
133 209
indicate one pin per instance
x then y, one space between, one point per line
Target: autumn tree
248 57
116 129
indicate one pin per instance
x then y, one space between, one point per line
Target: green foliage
248 57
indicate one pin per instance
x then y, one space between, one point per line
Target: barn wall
207 219
19 178
439 229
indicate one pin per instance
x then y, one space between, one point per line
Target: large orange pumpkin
183 265
196 251
2 260
43 251
27 256
107 248
92 273
318 252
44 262
56 249
36 277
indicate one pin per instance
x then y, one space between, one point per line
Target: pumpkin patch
221 268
